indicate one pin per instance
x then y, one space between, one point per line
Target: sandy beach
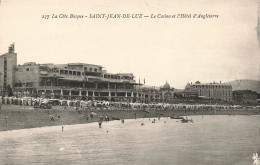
21 117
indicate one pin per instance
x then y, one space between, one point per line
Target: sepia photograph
143 82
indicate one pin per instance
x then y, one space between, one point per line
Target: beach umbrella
5 98
92 113
10 100
80 93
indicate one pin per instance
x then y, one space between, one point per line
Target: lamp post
1 88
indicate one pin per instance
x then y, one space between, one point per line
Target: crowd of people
97 104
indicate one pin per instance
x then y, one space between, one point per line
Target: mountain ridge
245 84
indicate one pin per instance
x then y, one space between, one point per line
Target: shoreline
24 117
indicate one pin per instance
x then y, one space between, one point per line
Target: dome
166 85
188 87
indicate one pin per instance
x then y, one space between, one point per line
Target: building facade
67 81
159 94
212 90
244 97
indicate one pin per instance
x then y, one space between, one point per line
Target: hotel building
212 90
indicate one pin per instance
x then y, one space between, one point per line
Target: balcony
85 89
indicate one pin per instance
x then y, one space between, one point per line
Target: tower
8 63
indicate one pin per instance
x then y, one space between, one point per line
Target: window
29 84
90 69
43 69
18 84
95 69
27 69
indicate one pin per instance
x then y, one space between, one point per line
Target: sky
158 50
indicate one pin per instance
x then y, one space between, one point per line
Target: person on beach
6 119
52 117
99 124
101 118
62 128
123 121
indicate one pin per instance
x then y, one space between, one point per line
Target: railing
81 78
85 89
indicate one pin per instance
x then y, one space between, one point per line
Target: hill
244 84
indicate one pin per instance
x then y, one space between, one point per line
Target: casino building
66 81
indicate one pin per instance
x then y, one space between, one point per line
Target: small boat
114 118
159 113
176 117
186 120
145 111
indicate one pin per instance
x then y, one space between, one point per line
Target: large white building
212 90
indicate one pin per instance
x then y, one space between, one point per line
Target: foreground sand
21 117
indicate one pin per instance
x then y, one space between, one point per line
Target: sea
212 139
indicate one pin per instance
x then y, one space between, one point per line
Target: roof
82 64
212 84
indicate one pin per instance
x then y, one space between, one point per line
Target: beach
14 117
